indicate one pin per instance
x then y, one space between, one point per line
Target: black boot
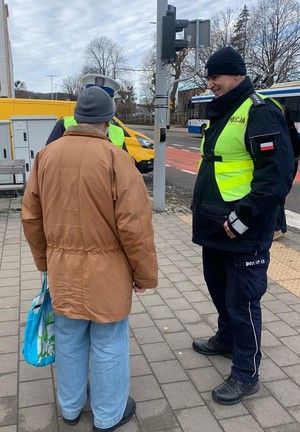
73 421
232 391
76 420
128 414
211 347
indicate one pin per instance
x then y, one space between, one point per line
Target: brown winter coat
88 220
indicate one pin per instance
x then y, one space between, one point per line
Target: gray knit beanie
225 61
94 105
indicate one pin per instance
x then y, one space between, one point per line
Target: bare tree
178 70
267 36
104 56
275 40
222 28
72 86
148 79
125 103
20 85
20 89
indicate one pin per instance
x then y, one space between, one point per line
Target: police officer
246 170
111 86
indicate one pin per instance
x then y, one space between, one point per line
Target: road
182 156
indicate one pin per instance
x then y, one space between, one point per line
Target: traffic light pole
160 122
170 85
167 45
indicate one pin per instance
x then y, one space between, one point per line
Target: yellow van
139 146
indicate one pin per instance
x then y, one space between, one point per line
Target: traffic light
170 26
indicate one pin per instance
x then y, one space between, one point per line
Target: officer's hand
228 231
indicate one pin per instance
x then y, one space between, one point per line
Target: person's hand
137 288
228 231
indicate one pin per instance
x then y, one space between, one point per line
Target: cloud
49 38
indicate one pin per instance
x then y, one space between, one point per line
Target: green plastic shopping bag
39 340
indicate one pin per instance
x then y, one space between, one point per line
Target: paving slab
170 382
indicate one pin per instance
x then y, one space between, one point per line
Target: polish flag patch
266 146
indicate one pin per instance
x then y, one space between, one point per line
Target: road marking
194 148
292 219
189 172
177 145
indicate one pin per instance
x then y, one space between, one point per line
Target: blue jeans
106 346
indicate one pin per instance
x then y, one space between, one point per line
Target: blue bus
287 93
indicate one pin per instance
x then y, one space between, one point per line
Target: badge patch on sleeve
267 146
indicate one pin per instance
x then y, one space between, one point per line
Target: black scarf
228 102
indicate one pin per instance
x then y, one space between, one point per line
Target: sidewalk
170 382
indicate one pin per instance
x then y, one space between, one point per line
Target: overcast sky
49 37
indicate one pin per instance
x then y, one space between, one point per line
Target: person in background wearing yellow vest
246 170
111 86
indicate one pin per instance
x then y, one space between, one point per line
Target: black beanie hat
225 61
94 105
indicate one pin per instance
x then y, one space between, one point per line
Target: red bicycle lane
183 160
186 160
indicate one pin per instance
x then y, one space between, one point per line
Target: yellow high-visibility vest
115 133
234 172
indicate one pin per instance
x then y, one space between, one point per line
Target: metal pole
55 86
160 123
169 98
51 81
51 76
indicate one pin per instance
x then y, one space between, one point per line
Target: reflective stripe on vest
115 133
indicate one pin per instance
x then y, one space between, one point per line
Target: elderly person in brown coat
88 220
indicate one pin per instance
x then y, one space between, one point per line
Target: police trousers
236 283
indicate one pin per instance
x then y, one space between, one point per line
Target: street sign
190 33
